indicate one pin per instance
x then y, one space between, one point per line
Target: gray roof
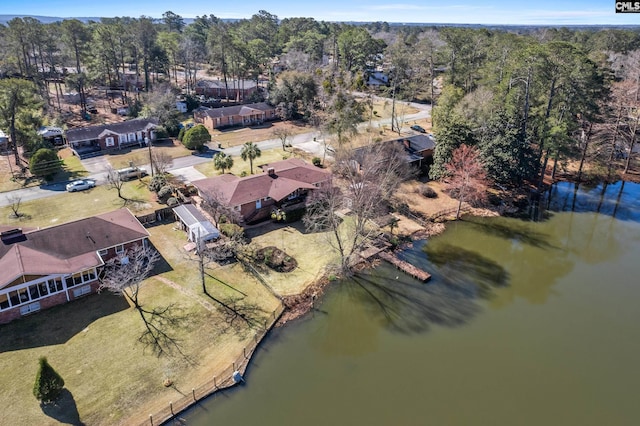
242 110
189 214
232 84
93 132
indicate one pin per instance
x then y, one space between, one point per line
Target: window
119 249
236 208
13 297
33 292
103 252
58 282
109 141
4 301
258 204
82 291
31 307
132 137
44 290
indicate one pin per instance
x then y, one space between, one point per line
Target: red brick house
233 89
254 197
42 268
239 115
112 136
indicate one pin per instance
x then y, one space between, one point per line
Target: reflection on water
523 323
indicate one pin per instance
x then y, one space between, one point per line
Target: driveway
187 174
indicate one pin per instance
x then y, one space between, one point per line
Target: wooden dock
405 267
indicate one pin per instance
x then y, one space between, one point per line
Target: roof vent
271 171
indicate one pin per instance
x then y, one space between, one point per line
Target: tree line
528 99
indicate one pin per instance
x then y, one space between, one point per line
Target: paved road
183 167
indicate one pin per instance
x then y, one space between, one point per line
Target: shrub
427 191
49 384
165 192
181 133
243 174
196 137
231 230
157 182
172 201
161 133
45 162
316 161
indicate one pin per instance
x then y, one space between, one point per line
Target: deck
405 267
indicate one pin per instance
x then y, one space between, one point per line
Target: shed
196 225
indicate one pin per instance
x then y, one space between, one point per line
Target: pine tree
49 384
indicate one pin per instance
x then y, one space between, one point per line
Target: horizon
464 12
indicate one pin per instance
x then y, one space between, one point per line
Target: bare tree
215 204
161 162
364 182
124 276
15 201
282 133
466 178
115 181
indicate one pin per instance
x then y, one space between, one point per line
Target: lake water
522 324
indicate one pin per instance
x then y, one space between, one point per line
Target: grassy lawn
239 165
66 206
309 249
93 344
239 135
120 159
71 169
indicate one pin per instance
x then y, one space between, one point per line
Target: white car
81 185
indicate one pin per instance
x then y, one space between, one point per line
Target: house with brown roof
238 115
283 184
105 137
45 267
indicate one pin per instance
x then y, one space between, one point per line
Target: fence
159 214
223 380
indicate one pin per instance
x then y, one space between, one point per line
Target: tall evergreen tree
48 384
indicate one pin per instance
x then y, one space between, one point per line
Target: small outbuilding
198 228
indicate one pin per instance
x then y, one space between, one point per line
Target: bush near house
45 163
196 137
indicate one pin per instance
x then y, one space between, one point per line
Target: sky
515 12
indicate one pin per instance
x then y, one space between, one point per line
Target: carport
195 224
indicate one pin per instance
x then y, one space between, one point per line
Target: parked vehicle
131 173
80 185
418 128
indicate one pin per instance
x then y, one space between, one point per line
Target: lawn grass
139 156
66 207
239 165
93 344
239 135
310 250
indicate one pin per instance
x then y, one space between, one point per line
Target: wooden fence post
151 419
171 407
193 391
244 351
